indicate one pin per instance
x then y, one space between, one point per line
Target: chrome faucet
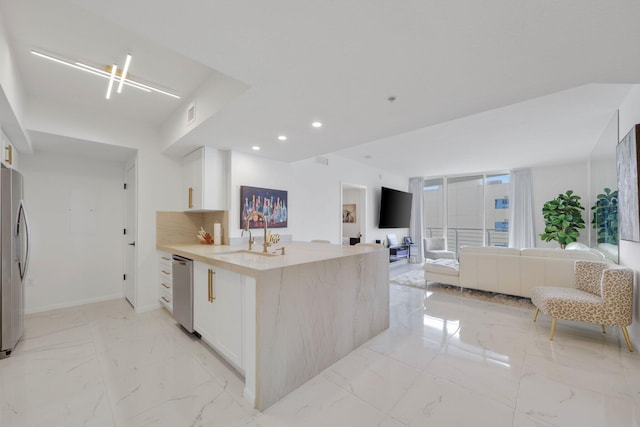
266 244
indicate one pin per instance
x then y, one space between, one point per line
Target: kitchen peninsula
299 312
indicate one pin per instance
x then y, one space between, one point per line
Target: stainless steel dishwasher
183 291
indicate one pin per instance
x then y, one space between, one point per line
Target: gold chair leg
626 337
553 328
603 330
535 316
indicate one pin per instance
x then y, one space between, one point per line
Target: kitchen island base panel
311 315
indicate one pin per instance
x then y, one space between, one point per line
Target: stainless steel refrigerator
14 252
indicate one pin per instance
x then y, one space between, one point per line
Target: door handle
132 244
211 293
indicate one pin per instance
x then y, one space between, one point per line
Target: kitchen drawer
166 286
167 301
165 261
165 280
166 276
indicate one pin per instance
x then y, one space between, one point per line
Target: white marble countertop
238 258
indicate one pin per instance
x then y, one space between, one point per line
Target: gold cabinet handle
190 197
9 157
165 285
211 295
166 300
165 258
165 272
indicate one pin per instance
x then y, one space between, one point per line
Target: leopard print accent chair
603 294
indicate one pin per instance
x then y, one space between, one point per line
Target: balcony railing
458 237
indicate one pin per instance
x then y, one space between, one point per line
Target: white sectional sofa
509 271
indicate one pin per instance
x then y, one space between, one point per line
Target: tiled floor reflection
444 361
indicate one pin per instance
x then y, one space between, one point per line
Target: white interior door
130 236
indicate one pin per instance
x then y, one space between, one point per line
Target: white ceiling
478 85
45 142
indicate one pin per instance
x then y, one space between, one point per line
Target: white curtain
521 232
416 230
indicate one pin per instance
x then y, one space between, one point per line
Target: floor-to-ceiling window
465 213
496 210
434 207
468 210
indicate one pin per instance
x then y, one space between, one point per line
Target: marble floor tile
481 371
204 405
446 360
151 385
321 403
44 323
376 379
88 408
434 401
557 403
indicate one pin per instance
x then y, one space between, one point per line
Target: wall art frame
273 204
628 186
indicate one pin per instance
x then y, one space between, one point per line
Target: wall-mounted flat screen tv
395 208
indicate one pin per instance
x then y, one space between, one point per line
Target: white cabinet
9 154
165 281
205 179
218 310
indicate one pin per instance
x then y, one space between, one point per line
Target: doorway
354 213
130 234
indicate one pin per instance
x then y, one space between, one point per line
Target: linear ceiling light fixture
125 70
107 74
110 69
112 77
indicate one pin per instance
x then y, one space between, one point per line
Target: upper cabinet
9 153
206 173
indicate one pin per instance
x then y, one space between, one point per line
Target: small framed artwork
349 213
258 205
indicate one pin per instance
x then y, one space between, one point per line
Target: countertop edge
314 254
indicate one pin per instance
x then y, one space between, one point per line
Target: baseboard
73 303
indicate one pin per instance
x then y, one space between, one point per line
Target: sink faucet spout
266 244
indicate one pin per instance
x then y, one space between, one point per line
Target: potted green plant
605 216
562 219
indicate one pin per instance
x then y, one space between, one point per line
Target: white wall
75 214
159 179
9 75
12 96
548 182
630 251
314 193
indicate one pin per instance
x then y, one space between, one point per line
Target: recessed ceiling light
255 148
282 137
316 124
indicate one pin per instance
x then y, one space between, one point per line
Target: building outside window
468 210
